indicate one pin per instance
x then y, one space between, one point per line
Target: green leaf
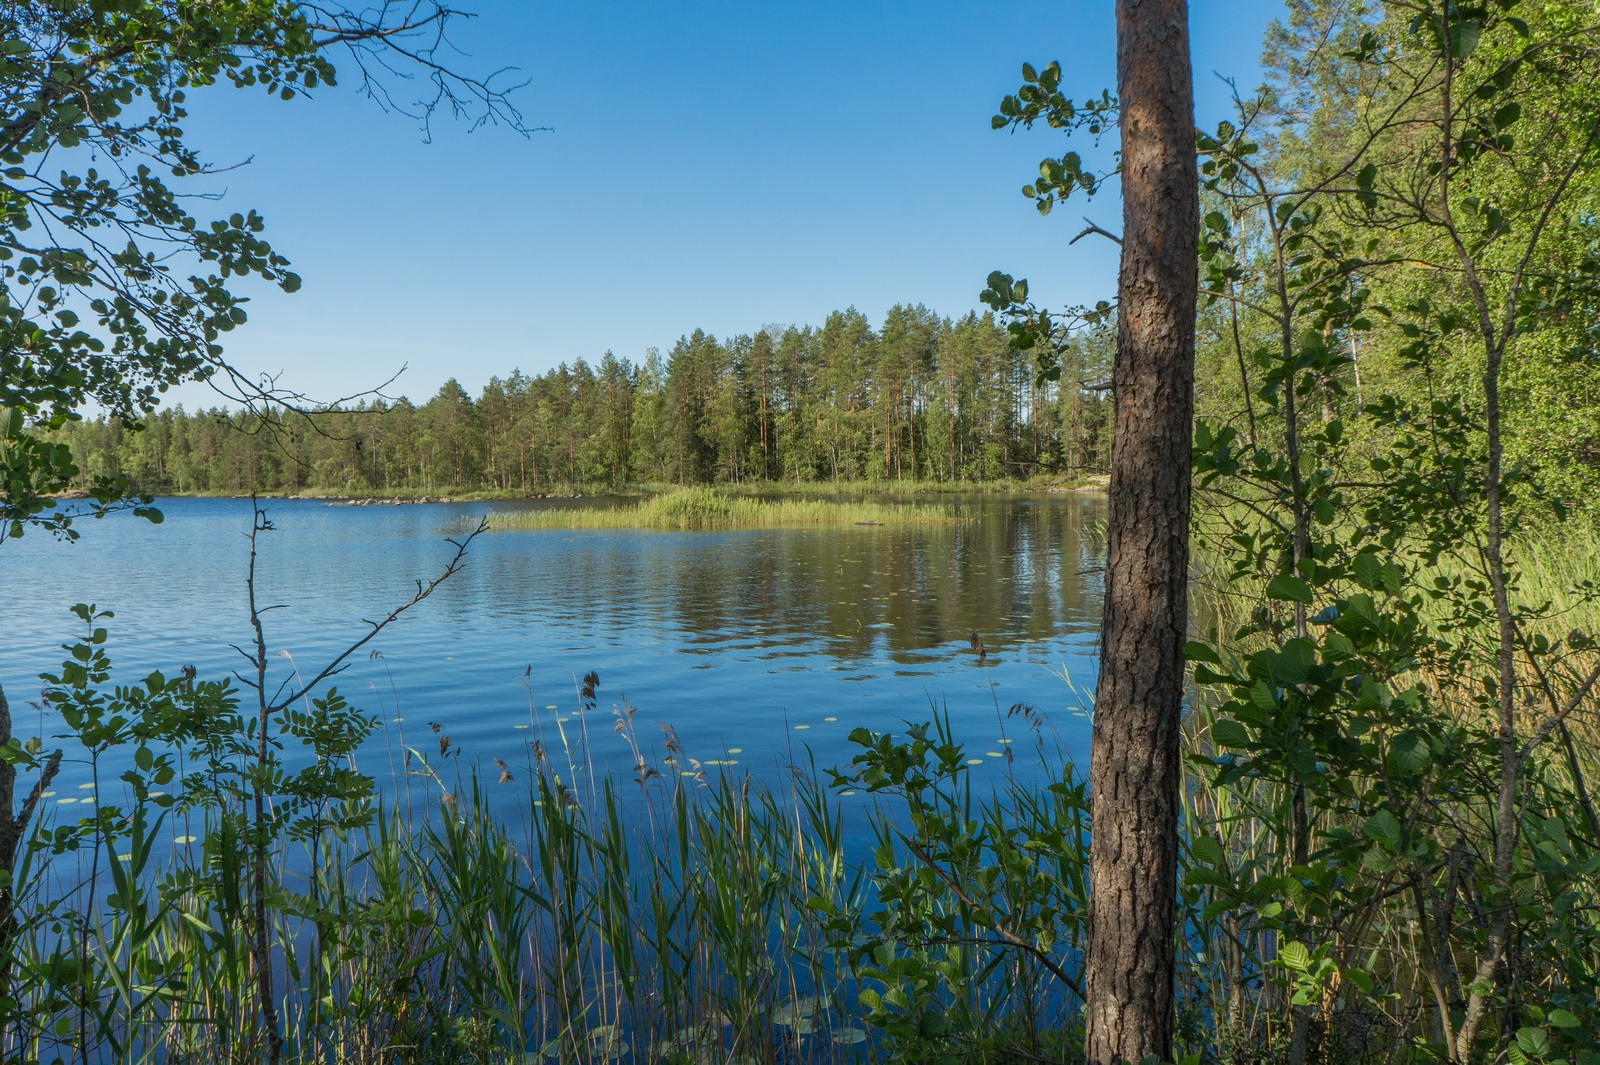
1410 752
1563 1019
1464 37
1382 827
1262 696
1295 662
1289 588
1368 570
1205 876
1295 956
1207 849
1534 1041
1393 579
1226 732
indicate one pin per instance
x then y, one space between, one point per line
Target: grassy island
709 508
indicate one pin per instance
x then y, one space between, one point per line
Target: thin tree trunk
1133 770
13 829
261 944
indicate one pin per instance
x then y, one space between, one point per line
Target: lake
753 646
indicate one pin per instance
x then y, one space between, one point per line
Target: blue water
752 646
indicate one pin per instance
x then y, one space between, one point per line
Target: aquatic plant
712 508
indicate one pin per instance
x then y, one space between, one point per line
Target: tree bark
13 829
1134 767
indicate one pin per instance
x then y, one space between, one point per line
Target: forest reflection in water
756 642
1019 572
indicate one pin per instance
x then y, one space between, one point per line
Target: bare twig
1092 228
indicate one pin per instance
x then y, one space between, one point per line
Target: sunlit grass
710 508
834 489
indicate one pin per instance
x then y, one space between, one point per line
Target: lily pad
791 1013
604 1043
702 1043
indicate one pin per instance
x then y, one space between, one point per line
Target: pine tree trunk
1134 769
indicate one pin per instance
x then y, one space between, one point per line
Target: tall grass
710 508
680 915
1037 483
679 918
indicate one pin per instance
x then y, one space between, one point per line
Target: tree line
920 397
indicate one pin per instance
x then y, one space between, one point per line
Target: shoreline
402 497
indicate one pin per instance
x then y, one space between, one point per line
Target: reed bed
684 915
867 489
709 508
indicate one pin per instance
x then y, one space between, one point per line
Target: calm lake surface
752 646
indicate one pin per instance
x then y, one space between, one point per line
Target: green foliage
1040 98
111 290
1384 695
979 903
1398 286
921 399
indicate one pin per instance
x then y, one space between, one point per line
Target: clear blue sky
711 164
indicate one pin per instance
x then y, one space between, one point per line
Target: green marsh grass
868 489
711 508
559 916
615 923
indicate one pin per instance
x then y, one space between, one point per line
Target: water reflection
735 638
1022 571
